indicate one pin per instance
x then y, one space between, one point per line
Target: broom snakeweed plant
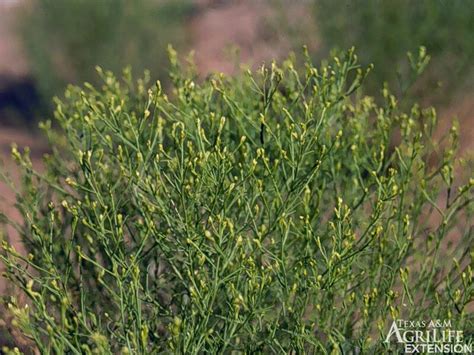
263 213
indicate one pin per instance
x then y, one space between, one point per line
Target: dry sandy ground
260 32
220 26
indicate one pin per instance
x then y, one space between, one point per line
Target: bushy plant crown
275 211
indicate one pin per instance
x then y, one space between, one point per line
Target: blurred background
46 44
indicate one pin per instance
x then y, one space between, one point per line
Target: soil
221 26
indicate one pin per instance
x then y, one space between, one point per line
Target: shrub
267 212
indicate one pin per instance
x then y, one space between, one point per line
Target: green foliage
65 40
263 213
384 30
